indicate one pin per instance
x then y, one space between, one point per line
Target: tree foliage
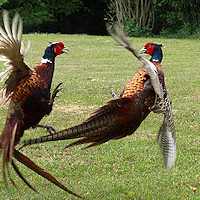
64 16
152 17
178 18
136 17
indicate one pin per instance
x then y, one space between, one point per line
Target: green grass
130 168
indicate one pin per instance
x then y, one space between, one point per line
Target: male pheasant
145 92
29 93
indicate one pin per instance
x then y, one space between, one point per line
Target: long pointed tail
99 128
31 165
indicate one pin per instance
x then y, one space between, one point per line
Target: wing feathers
20 29
167 144
4 37
166 136
12 50
14 26
7 25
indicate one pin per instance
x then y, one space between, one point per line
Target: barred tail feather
81 130
101 137
92 126
116 129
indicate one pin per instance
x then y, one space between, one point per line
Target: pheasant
29 92
120 117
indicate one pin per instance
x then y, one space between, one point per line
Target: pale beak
65 50
143 50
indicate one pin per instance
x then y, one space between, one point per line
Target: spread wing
13 52
166 135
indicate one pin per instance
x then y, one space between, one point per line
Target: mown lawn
130 168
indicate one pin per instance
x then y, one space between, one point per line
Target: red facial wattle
58 48
149 48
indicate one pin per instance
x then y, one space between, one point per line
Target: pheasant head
54 49
154 50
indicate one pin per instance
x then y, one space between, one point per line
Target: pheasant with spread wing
29 93
145 92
